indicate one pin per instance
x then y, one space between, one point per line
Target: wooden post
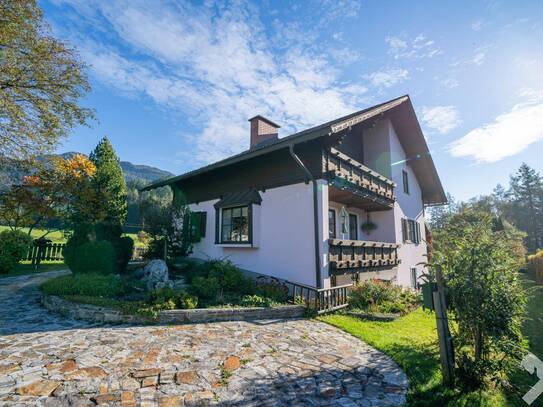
444 336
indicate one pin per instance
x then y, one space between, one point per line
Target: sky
173 83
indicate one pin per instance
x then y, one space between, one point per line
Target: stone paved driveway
45 360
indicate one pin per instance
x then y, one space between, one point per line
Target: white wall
406 206
384 153
284 232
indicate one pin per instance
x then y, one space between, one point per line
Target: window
413 277
410 231
405 182
353 226
235 225
331 223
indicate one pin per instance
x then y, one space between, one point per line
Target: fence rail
362 254
322 300
48 252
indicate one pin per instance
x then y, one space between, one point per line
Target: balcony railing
347 174
362 255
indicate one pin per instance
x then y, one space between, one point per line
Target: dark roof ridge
259 150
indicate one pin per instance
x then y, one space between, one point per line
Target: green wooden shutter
203 223
217 226
404 229
417 231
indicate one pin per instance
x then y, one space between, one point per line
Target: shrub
535 266
256 301
123 252
169 298
377 296
272 289
206 289
480 264
91 257
92 285
13 247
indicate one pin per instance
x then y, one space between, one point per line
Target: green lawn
412 342
58 236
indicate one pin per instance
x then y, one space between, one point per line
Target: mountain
10 173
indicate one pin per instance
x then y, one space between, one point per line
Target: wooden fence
321 300
48 252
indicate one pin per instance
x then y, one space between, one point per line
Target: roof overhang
401 113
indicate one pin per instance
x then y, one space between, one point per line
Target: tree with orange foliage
58 190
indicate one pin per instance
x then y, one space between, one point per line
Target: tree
526 190
55 191
89 232
480 258
109 183
41 82
439 215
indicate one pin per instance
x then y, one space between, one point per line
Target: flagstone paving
263 363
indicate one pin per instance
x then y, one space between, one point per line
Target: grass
56 236
59 237
412 342
88 285
532 329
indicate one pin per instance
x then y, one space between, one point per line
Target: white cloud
441 119
417 48
213 65
388 78
450 83
509 134
477 25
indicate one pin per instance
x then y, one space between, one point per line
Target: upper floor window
331 223
405 182
411 231
235 225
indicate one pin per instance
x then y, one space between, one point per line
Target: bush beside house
13 247
374 296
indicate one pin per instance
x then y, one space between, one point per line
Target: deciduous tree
41 82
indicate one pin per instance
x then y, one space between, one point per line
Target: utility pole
446 351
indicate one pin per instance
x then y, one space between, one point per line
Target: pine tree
526 190
109 183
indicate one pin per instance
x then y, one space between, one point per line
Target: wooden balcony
354 184
361 255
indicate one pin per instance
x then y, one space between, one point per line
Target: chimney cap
259 117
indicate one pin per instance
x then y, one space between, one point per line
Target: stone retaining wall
94 313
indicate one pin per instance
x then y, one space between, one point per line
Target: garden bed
373 316
100 314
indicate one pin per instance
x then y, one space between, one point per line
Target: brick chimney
263 131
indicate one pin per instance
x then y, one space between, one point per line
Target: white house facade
335 204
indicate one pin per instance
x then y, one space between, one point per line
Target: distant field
58 236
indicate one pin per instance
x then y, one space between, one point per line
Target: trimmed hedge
91 257
535 266
13 247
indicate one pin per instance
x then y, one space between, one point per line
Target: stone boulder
156 275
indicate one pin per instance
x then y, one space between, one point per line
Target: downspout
315 212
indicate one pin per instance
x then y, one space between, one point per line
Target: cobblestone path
45 360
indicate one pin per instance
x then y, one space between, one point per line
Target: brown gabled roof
409 133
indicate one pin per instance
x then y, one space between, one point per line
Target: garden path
46 360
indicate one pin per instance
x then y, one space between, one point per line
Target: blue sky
174 83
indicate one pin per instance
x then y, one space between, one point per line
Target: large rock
155 274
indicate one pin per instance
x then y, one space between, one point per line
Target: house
340 202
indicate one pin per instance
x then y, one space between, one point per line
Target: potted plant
368 226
